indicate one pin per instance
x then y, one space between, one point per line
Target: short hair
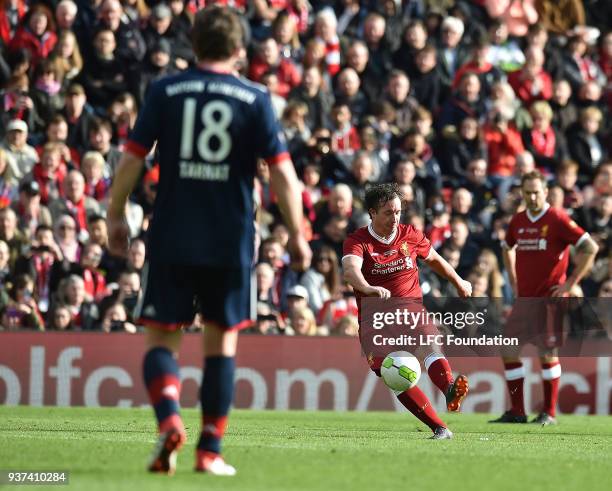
377 196
591 112
534 176
216 33
95 156
543 109
568 164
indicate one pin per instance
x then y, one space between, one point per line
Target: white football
400 370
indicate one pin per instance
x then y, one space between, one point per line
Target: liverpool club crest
404 249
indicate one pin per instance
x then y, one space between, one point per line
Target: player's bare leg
514 373
216 398
161 374
551 374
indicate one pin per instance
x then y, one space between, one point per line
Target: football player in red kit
536 256
380 261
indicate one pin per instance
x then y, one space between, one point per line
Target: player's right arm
509 255
351 265
127 173
509 258
283 180
284 183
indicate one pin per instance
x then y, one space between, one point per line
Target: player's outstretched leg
415 400
551 374
216 398
515 377
441 375
162 379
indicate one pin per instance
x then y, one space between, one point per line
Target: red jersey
390 264
542 249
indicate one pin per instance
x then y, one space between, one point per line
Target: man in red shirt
536 256
380 261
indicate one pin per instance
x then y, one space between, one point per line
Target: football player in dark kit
210 127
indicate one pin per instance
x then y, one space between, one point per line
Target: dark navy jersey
210 129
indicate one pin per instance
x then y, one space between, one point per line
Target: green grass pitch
106 449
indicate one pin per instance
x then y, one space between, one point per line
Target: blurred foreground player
210 127
386 242
536 256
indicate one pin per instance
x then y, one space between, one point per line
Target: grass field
106 449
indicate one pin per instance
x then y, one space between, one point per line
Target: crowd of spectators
453 100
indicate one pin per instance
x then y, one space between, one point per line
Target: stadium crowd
453 100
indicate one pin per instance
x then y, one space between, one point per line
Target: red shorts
376 356
537 321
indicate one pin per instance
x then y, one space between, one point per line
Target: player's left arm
444 269
586 250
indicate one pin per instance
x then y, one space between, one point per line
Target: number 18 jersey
210 129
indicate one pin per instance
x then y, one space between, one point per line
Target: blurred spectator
532 83
157 64
105 74
503 143
269 59
565 113
160 26
75 203
128 40
415 148
100 133
265 281
414 39
322 279
466 102
542 140
59 319
10 234
83 313
325 30
36 33
505 52
8 184
65 15
358 58
317 99
116 320
451 51
49 174
65 232
30 211
303 323
566 179
480 65
21 312
460 147
92 167
78 116
427 80
586 144
21 157
398 94
349 93
460 240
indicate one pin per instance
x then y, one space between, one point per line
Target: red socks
418 404
515 376
439 371
551 373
